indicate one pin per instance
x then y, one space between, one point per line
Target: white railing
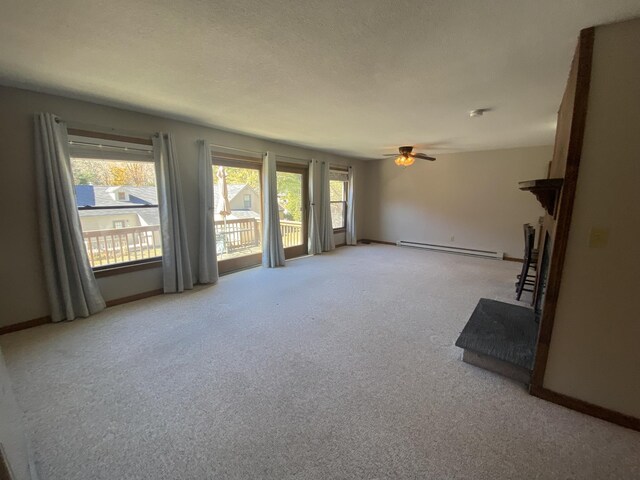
241 234
291 233
118 245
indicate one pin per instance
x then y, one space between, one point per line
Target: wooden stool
526 279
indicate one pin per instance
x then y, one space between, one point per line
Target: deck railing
237 234
118 245
240 234
291 233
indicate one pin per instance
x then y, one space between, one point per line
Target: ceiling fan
406 156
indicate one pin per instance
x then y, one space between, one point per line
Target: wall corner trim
585 407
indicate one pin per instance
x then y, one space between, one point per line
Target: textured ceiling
351 76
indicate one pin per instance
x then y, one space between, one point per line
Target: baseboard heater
458 250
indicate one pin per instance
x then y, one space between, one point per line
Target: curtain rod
108 130
236 149
306 160
338 166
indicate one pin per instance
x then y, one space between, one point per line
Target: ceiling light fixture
404 160
478 112
407 157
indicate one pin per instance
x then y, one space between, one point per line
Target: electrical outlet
598 237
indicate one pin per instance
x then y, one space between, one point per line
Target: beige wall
472 197
594 354
22 293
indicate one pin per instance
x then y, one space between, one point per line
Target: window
338 187
292 197
237 218
117 199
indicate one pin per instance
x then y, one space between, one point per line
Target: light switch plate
598 237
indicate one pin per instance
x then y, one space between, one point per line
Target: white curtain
326 226
272 247
176 265
207 262
315 246
71 285
351 238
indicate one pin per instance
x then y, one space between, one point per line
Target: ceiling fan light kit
407 157
403 161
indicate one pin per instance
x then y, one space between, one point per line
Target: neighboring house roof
235 189
85 195
106 196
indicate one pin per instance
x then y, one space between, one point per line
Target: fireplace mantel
546 190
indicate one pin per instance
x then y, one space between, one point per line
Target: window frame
303 170
219 157
345 196
132 265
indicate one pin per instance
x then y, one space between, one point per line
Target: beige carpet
340 366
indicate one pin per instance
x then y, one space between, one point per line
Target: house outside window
338 188
117 199
247 201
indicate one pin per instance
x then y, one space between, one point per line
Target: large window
292 198
237 210
338 188
117 199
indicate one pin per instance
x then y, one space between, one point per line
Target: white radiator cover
457 250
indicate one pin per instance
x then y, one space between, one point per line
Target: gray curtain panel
326 226
176 265
71 285
351 238
272 246
207 262
315 246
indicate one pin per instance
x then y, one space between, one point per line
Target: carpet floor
339 366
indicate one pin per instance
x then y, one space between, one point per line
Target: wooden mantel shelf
546 191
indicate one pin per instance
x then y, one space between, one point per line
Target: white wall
22 293
472 197
594 354
12 433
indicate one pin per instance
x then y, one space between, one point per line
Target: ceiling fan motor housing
406 150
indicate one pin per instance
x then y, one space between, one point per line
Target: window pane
337 214
336 190
113 236
237 211
290 207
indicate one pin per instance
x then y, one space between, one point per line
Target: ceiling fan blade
390 155
423 156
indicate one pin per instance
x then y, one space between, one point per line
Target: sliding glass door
292 201
237 186
237 213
